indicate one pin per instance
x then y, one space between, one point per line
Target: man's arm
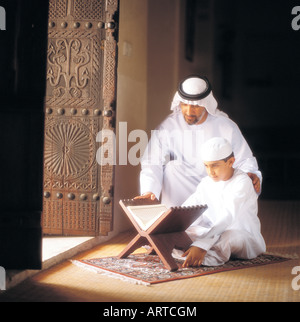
151 175
256 181
245 160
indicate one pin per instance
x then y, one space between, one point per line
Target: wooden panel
80 102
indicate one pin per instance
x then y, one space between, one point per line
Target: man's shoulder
173 117
171 120
223 120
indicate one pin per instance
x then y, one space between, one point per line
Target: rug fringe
109 274
289 256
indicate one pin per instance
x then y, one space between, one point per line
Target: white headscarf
194 86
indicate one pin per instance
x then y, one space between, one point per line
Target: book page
146 215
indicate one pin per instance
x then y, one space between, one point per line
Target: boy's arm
196 198
194 256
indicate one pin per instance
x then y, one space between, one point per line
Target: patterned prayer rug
148 269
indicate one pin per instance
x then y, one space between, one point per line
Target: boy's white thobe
230 226
172 166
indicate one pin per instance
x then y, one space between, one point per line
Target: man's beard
193 119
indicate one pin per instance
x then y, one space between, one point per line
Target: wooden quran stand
167 233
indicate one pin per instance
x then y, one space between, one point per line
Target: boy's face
220 170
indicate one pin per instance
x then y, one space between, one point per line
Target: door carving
80 102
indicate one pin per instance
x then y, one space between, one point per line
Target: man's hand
147 195
255 181
194 256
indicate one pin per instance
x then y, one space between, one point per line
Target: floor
66 282
55 250
53 246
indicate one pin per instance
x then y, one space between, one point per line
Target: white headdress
216 149
196 90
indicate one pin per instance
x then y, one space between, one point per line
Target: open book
146 215
157 218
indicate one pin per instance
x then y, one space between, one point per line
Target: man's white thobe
230 225
172 166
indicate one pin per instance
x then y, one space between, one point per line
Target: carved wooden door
80 102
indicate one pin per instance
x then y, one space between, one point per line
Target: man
230 226
171 166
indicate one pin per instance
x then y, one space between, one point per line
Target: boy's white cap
216 149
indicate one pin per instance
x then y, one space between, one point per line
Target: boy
230 226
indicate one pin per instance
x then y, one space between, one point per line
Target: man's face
219 170
193 114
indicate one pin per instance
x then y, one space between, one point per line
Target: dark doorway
257 74
22 90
